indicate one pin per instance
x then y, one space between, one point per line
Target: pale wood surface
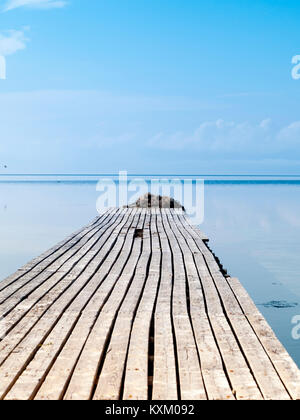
134 306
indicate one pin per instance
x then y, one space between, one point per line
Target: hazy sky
168 86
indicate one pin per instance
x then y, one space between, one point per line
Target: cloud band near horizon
34 4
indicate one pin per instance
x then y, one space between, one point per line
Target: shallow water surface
255 231
254 228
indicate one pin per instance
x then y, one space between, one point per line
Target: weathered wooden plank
12 367
282 361
136 377
243 384
77 320
57 379
191 381
165 385
266 376
182 213
85 375
215 380
133 280
111 375
40 299
51 254
28 284
262 367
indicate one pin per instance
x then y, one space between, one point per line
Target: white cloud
290 134
93 131
216 135
34 4
236 138
12 41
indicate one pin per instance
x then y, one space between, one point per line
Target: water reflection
255 230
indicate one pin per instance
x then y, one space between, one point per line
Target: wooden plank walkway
135 306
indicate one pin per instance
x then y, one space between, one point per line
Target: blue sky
168 86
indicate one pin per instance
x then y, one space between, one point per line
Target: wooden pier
135 306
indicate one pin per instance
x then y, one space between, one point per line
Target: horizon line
149 174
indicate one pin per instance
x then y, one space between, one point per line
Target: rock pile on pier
156 201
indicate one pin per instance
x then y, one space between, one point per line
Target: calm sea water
253 224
